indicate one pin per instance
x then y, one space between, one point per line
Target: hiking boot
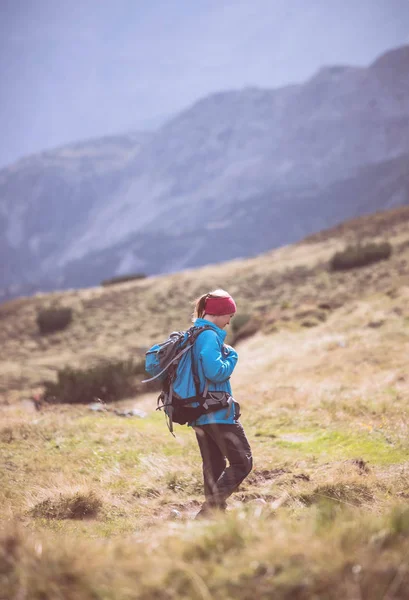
209 510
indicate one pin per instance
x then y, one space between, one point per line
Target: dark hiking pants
218 442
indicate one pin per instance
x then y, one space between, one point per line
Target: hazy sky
75 69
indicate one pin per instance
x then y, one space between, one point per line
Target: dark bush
243 326
239 321
360 256
53 319
123 279
249 329
107 381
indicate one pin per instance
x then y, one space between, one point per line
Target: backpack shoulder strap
195 372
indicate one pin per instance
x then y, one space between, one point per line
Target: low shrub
239 320
249 329
53 319
107 381
360 256
243 326
123 279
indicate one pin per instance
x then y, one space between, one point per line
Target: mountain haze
236 174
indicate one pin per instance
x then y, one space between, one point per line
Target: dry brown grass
324 512
372 226
289 561
286 288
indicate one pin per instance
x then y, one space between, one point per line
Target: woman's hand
227 350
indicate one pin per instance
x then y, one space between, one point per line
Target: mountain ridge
227 150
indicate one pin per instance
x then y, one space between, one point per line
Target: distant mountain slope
278 217
236 174
45 199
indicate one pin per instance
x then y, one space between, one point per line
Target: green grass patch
335 445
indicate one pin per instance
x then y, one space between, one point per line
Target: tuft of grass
399 520
350 493
220 537
79 505
182 484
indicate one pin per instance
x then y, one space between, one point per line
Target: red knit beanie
222 305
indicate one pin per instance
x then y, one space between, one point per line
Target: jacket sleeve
216 367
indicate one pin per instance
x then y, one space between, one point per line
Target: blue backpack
162 361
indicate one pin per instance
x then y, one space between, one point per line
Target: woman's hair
199 303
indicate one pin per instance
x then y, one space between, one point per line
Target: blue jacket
215 363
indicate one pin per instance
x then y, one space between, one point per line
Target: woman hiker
219 434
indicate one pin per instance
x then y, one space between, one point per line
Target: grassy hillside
284 288
96 505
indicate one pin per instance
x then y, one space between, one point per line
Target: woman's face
223 320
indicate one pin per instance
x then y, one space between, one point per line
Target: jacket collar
220 332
